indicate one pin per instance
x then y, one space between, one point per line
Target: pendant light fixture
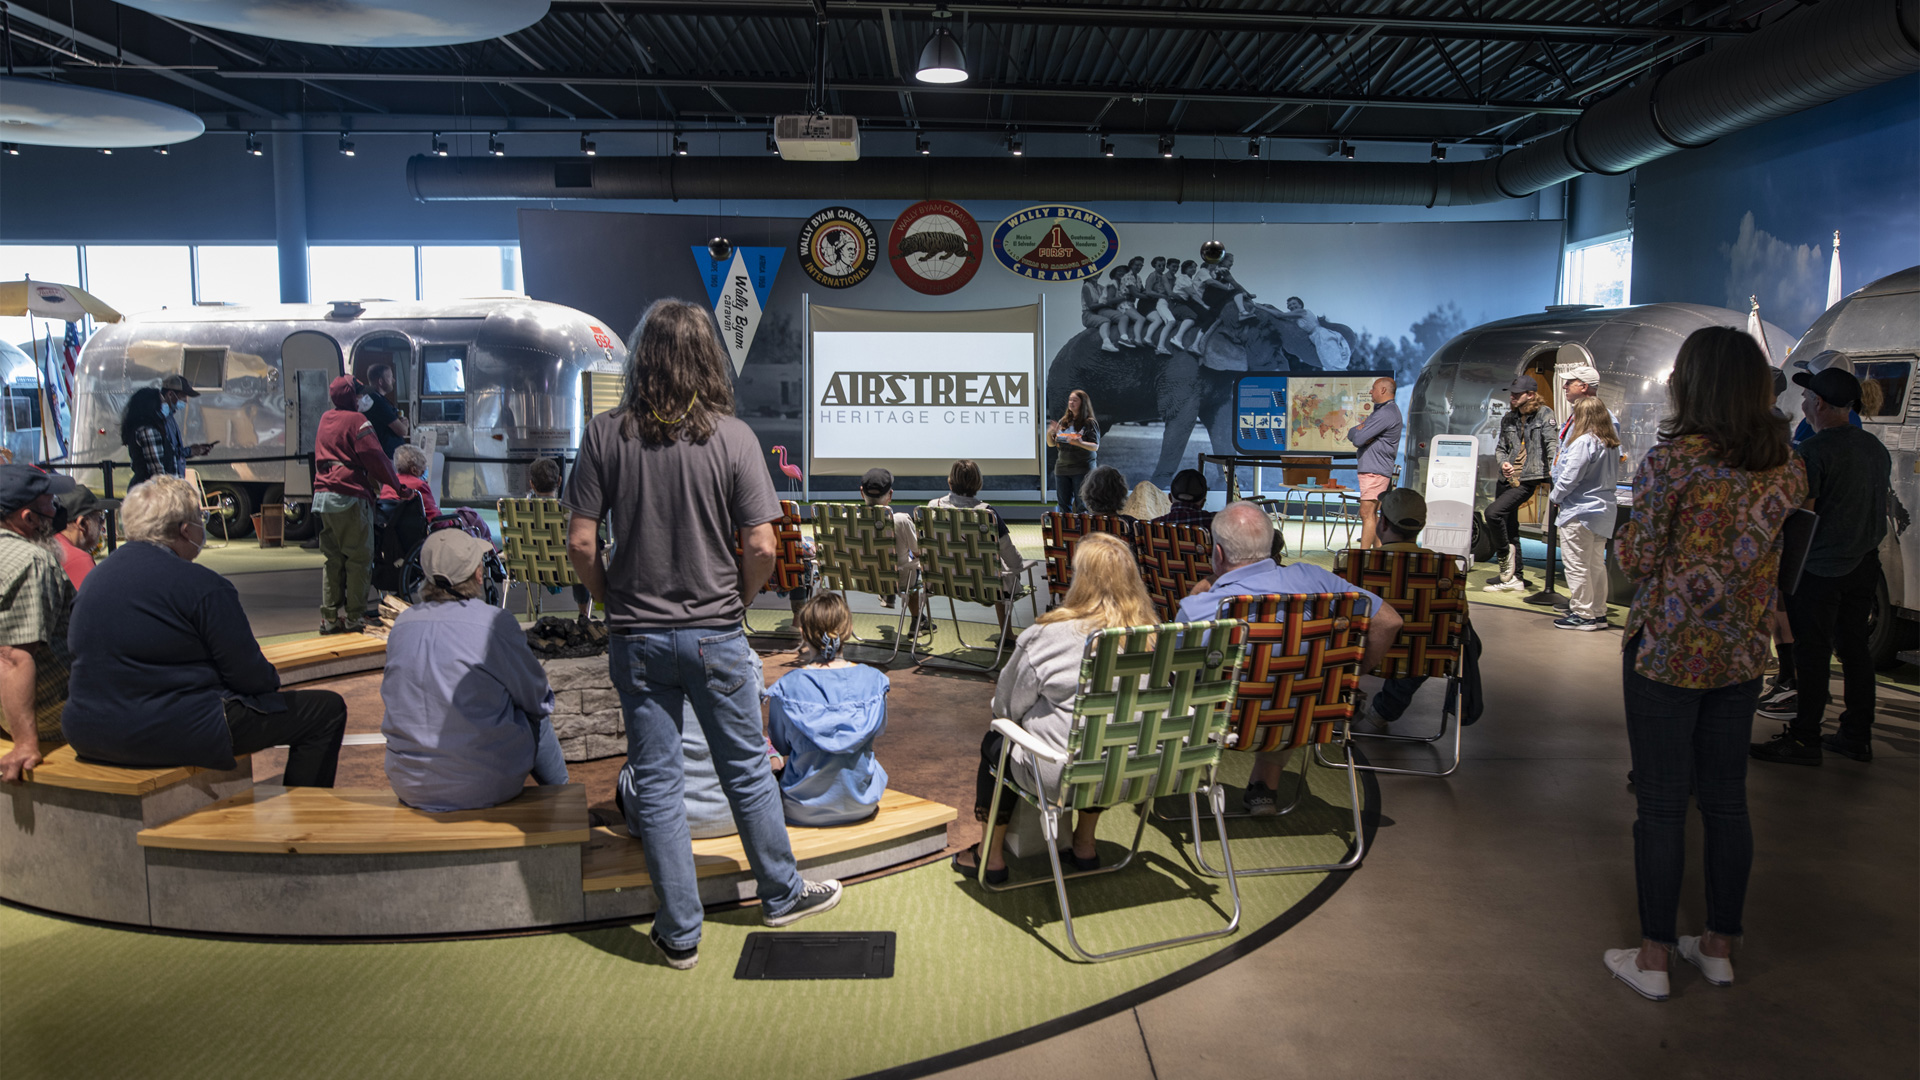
941 60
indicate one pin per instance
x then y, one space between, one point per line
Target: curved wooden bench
329 821
906 827
68 835
325 657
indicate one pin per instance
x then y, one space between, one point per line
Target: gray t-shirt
1848 475
673 511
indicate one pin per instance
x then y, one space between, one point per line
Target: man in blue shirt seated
1242 541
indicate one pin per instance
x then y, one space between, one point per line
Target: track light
679 146
1346 149
253 144
1253 148
1106 147
921 145
10 149
439 145
162 151
494 145
1016 144
107 150
1439 152
941 59
587 145
346 145
1166 146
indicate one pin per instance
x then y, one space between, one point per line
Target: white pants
1585 553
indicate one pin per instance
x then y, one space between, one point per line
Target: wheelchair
400 530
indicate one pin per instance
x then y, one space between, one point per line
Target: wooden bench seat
614 860
322 821
326 657
62 768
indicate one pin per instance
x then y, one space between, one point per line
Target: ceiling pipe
1815 56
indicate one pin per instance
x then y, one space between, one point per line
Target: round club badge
838 247
934 247
1055 243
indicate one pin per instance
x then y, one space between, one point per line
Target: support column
290 214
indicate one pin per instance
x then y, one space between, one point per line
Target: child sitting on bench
823 717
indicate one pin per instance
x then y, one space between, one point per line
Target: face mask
199 545
364 403
59 518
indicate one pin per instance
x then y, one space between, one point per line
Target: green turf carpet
970 967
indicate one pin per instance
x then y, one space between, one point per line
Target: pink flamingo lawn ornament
792 471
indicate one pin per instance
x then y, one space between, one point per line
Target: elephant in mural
1140 386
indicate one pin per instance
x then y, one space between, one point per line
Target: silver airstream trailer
1878 330
1463 388
493 379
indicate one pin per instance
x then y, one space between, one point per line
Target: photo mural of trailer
1283 298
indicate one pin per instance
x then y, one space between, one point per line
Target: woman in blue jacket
823 718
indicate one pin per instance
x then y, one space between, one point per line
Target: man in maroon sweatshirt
349 469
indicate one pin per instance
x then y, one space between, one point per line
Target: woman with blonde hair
1584 478
1039 683
1709 504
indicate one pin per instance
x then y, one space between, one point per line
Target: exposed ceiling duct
1817 55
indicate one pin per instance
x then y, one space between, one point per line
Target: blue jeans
549 764
1068 489
1689 741
657 672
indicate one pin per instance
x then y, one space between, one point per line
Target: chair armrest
1026 741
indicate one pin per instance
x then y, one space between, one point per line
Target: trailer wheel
301 522
1887 632
233 520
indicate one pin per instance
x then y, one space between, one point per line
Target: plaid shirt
150 443
35 600
1185 513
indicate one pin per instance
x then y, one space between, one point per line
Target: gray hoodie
1037 688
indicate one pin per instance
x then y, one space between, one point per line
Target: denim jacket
1538 435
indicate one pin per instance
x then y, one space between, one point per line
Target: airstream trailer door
309 361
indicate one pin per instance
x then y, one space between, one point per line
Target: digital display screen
1303 412
1450 448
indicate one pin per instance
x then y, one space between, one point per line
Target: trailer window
1893 377
23 408
443 369
388 348
205 368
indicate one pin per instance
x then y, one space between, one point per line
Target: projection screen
914 391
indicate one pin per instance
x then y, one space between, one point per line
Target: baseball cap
1523 385
179 385
877 482
1189 485
82 500
449 557
1835 387
1405 509
21 484
1584 372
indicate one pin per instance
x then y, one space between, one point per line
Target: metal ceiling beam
1281 97
32 18
1166 18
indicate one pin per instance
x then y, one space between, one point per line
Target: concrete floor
1469 943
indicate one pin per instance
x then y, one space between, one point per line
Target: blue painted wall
1754 214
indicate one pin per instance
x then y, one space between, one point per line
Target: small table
1347 500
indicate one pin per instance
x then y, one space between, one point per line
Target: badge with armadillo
935 247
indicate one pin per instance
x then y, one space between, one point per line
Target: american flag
69 352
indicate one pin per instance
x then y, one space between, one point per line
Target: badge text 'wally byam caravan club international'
838 247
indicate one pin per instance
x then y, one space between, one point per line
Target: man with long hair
679 478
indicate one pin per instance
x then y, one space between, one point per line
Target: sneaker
815 897
1717 969
1777 692
1579 622
1260 800
1784 705
1784 749
1625 965
1858 750
677 959
1508 585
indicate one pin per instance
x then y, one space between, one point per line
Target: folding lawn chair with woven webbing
960 560
1296 688
793 572
1148 721
1429 592
1060 534
854 549
535 534
1172 559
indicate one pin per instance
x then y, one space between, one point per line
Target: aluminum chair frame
551 518
983 559
833 567
1110 686
210 506
786 532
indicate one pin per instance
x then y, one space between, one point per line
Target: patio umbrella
63 302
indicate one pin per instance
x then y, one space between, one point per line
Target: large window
137 279
239 275
57 263
361 273
452 273
1599 272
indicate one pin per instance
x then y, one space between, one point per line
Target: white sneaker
1624 963
1717 969
1509 585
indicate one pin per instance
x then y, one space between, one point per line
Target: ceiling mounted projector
817 138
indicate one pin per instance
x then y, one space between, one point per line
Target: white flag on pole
1755 330
1834 292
